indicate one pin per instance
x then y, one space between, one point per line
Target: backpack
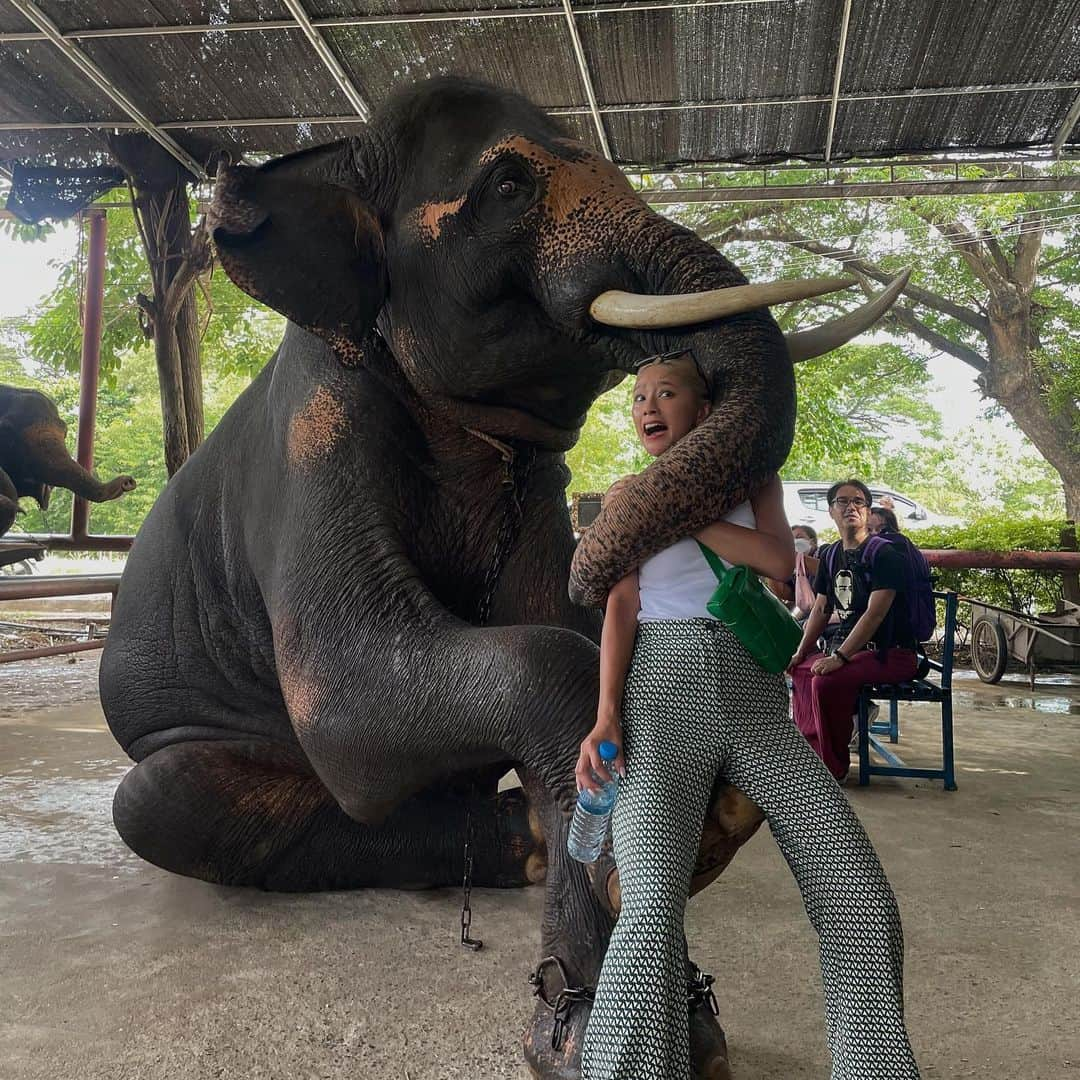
918 585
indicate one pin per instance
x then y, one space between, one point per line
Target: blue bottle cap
608 750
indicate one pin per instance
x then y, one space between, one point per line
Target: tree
232 333
994 284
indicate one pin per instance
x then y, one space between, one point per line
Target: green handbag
751 612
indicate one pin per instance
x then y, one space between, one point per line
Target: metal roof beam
570 110
330 61
343 22
834 104
586 77
897 189
1066 129
95 75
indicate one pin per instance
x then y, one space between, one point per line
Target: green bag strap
714 560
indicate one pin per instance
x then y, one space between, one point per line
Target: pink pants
823 705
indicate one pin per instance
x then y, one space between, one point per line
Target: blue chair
919 689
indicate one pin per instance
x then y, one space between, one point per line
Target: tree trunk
189 343
1012 380
170 381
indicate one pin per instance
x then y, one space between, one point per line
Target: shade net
52 193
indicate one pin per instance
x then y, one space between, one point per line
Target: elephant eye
507 187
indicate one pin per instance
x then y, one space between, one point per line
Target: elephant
347 615
34 458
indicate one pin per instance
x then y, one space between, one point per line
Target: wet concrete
114 969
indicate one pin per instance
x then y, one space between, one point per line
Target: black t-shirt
847 592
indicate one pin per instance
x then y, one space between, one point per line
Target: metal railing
46 587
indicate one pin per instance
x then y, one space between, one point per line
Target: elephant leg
9 502
251 812
47 458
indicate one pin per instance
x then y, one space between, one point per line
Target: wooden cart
1001 639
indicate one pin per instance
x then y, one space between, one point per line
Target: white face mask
802 545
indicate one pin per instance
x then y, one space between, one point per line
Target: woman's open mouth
653 430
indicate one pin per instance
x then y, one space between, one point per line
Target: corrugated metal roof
720 80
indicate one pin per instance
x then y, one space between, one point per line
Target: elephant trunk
724 460
55 467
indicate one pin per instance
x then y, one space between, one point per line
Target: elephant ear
296 235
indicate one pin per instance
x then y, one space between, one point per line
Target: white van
806 503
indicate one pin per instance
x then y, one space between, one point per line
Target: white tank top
676 582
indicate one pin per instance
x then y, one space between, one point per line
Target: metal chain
475 944
698 992
513 489
562 1005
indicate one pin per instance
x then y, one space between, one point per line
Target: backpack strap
831 556
872 547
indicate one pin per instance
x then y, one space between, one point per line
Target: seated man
874 641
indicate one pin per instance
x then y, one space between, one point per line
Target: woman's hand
590 761
797 659
826 665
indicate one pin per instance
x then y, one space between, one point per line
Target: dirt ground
114 969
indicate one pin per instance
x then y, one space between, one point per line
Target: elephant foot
554 1039
520 850
547 1061
708 1046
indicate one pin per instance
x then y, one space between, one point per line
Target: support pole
90 363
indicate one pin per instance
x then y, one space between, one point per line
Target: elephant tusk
640 311
806 344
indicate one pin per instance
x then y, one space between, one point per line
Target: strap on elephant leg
562 1004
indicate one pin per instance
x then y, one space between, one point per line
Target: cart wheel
988 652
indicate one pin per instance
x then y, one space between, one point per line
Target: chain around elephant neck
516 471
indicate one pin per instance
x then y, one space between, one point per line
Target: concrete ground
114 969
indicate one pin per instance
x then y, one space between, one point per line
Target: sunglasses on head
676 354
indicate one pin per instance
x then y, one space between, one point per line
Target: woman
685 702
797 591
883 521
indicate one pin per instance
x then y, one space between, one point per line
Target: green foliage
237 331
786 240
128 439
1021 590
609 446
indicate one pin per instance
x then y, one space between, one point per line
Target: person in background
797 591
883 521
874 641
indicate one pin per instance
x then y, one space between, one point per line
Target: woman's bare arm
616 651
769 548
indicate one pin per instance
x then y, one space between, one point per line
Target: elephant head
515 275
34 458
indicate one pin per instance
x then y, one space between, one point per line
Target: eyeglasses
844 502
677 354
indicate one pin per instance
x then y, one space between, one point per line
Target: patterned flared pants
697 705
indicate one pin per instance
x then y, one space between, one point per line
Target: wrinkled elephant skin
34 458
348 614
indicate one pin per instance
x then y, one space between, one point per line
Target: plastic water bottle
589 826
